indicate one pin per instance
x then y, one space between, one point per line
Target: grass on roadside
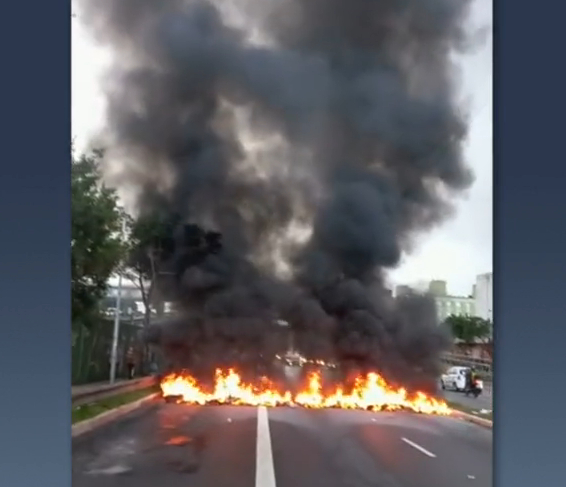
473 411
90 410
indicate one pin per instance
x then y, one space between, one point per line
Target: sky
457 251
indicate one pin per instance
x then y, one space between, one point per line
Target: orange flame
369 393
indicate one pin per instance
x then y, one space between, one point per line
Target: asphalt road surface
484 401
225 446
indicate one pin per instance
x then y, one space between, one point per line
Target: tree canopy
470 329
96 244
161 245
150 239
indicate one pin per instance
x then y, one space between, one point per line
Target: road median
89 393
89 416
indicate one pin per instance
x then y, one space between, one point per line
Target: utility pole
114 356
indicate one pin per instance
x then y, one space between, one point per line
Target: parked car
454 378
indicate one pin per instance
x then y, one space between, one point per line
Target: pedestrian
475 377
130 362
468 379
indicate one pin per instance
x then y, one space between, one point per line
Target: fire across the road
370 392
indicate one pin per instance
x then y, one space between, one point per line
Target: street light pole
114 356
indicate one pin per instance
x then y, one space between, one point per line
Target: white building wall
484 296
454 305
128 292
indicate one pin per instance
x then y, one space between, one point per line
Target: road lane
171 445
485 401
354 448
179 445
318 449
462 452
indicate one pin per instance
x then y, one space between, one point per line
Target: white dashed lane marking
419 448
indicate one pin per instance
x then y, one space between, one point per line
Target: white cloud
87 65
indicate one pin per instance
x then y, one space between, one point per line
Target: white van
454 378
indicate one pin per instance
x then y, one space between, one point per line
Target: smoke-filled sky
458 250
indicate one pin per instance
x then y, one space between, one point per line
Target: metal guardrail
467 358
88 394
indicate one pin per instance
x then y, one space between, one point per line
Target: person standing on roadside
468 373
130 361
474 378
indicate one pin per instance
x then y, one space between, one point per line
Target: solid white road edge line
264 470
419 447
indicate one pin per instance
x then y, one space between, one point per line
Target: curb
88 389
470 418
103 391
106 417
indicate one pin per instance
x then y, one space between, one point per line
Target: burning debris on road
370 392
317 139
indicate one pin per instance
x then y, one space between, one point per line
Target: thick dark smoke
254 118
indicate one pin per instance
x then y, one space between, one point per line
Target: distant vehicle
454 378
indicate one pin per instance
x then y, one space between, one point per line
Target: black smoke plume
318 138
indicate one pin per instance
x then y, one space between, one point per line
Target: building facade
438 288
483 296
403 290
454 305
447 305
128 291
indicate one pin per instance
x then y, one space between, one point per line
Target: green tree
470 329
96 245
149 235
151 246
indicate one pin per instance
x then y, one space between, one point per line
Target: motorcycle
476 388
